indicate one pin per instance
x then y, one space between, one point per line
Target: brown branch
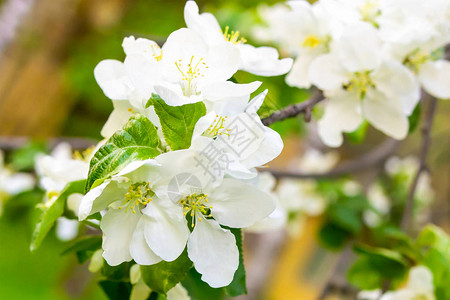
368 160
294 110
426 141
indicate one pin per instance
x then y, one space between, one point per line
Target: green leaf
137 140
178 122
388 263
84 247
434 244
333 237
433 236
238 285
117 273
116 290
345 217
200 290
359 134
53 211
362 275
414 118
163 276
439 265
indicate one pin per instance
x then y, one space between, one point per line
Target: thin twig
294 110
426 141
368 160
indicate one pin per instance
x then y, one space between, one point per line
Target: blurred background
48 51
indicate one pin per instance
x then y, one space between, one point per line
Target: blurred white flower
60 168
419 286
55 172
361 84
301 29
379 203
299 198
12 183
406 168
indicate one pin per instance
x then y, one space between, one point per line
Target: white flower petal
223 61
238 205
227 89
385 114
140 46
270 147
299 74
326 72
172 94
166 229
205 23
435 78
263 61
178 292
142 170
342 114
395 80
214 253
101 196
111 77
183 44
17 183
139 249
421 280
143 73
66 229
117 227
359 48
119 116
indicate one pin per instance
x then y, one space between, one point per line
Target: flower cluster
188 176
12 183
370 57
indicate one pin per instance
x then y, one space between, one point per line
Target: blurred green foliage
45 273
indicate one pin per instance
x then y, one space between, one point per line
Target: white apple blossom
60 168
12 183
262 61
242 136
419 286
230 203
156 229
361 84
307 199
136 217
194 71
232 141
124 84
301 29
55 172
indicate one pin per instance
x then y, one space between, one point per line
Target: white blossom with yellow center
194 71
136 219
263 61
230 203
361 84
